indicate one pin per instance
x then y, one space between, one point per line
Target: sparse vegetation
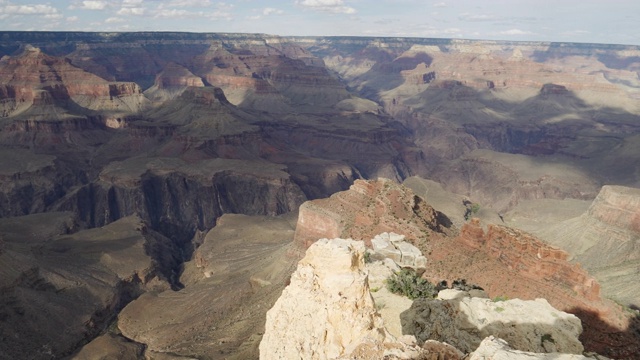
475 207
500 298
367 257
499 309
547 337
407 283
470 209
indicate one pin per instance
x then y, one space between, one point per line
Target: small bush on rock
406 282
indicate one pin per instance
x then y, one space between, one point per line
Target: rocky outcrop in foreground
327 312
497 349
528 325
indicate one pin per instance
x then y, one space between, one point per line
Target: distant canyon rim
158 189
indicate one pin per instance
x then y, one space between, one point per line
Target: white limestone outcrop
393 246
527 325
493 348
327 311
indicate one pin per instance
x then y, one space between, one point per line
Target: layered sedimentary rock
74 282
504 261
532 258
525 267
171 82
367 209
604 240
236 275
179 197
33 78
397 107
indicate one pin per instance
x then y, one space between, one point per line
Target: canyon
158 189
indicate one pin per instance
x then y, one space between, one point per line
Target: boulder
393 246
497 349
528 325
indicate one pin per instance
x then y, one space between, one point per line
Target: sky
587 21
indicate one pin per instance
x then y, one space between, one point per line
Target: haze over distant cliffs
192 159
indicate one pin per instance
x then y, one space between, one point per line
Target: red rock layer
504 261
34 78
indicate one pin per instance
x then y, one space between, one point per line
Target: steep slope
504 261
327 312
235 277
34 79
560 103
60 290
605 241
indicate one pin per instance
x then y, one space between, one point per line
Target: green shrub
475 207
547 337
406 282
500 298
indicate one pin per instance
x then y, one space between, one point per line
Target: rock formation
533 325
605 241
393 246
74 282
327 312
367 209
503 261
34 79
498 349
236 275
180 129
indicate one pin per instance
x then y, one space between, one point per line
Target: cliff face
604 240
73 282
530 257
256 124
34 78
369 208
504 261
327 312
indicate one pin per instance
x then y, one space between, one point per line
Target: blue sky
612 21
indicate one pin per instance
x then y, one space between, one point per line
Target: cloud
126 11
28 10
440 4
386 21
418 30
269 11
114 20
331 6
132 3
53 16
222 11
515 32
72 18
175 13
93 5
190 3
478 17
